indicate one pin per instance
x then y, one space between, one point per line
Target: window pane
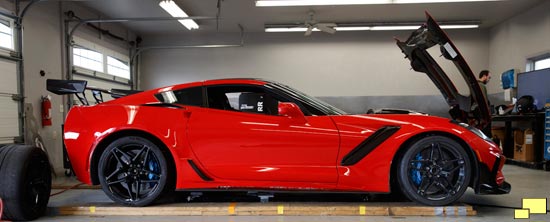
243 99
190 96
6 35
88 59
117 68
6 41
5 27
542 64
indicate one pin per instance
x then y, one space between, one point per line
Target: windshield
309 100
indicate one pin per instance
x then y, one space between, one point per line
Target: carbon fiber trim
199 171
368 145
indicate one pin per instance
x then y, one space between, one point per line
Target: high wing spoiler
78 87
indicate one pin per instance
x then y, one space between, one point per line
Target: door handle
187 113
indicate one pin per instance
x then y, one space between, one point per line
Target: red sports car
252 134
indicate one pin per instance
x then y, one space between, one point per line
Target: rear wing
78 87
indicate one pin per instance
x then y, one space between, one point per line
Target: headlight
479 133
476 131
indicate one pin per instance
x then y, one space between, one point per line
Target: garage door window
118 68
6 34
98 60
542 64
88 59
538 63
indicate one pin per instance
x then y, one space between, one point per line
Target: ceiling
234 12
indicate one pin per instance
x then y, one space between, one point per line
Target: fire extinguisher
46 111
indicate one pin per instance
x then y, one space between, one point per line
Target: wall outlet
61 108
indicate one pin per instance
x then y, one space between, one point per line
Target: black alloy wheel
435 171
133 171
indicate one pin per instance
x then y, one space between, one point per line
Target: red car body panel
255 151
263 147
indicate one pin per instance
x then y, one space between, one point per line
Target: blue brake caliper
154 168
415 173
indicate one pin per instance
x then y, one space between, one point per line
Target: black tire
434 171
25 182
133 171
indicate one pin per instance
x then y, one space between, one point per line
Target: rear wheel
434 170
133 171
25 182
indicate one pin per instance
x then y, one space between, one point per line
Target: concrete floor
526 183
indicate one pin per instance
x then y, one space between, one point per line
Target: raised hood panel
472 109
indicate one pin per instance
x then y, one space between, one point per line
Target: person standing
484 77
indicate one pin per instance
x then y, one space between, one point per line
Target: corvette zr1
253 134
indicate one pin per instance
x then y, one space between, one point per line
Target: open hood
472 109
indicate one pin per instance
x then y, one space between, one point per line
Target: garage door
9 109
100 83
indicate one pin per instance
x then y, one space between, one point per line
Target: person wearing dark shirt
484 77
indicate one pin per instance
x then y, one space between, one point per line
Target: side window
188 97
248 99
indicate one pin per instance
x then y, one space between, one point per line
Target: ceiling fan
312 24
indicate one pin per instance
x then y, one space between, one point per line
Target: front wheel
434 170
133 171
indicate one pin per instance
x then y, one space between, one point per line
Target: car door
240 136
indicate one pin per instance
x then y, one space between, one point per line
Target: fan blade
323 27
309 30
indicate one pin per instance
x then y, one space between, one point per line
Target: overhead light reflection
370 28
278 3
175 11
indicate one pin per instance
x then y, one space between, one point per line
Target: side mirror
292 111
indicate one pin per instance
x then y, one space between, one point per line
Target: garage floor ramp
86 200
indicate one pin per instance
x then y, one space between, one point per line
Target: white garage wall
344 64
514 41
42 51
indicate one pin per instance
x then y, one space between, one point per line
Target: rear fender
95 130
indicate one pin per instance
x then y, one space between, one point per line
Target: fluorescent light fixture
302 29
351 28
266 3
413 27
288 29
368 28
437 1
394 27
175 11
214 46
459 26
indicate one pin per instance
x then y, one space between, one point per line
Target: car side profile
254 134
